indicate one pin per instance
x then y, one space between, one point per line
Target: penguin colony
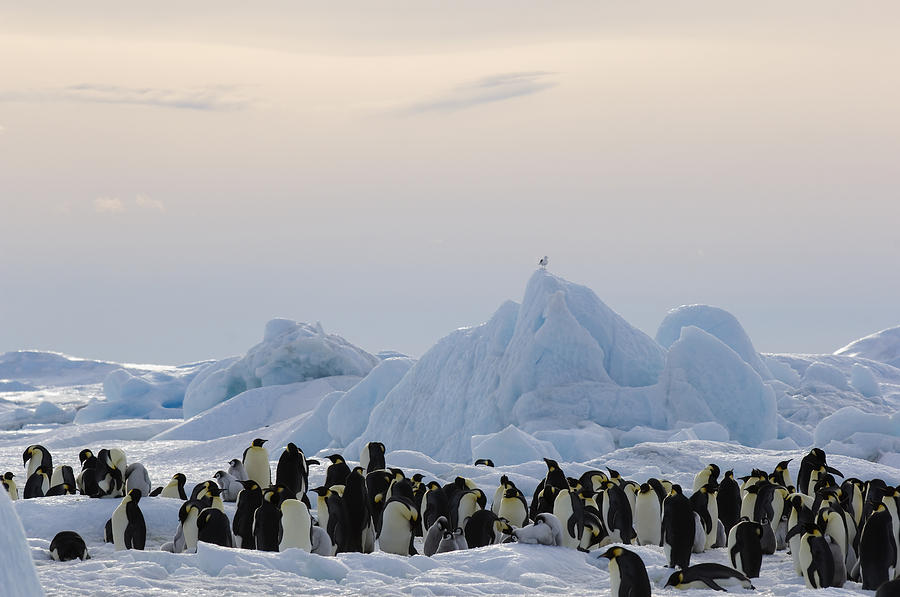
833 530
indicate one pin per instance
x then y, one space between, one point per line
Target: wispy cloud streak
496 88
216 97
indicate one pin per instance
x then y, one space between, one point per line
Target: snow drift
290 352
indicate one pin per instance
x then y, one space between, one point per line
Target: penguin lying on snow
545 530
68 545
712 576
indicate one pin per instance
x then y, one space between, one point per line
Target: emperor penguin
569 510
851 488
360 530
64 475
230 486
38 484
10 485
137 477
397 522
627 573
877 549
249 499
236 469
86 481
647 516
816 559
708 576
175 487
799 516
485 528
128 528
809 463
34 456
464 505
728 501
595 534
68 545
710 474
434 505
781 475
513 507
293 471
617 514
321 542
214 527
744 547
267 520
256 463
377 484
296 526
704 503
371 458
108 475
337 471
593 480
678 529
546 529
188 514
505 484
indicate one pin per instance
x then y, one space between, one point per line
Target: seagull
543 262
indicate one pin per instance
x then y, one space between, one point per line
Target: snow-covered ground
559 375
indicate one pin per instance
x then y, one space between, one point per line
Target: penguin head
335 458
84 455
292 448
26 455
818 455
135 495
713 471
484 462
613 474
510 493
186 509
676 579
504 480
676 490
8 476
258 443
358 470
250 485
782 466
180 479
729 474
321 491
417 478
502 526
235 462
433 486
399 475
612 553
552 465
219 475
645 488
214 490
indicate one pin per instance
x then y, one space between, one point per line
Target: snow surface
883 346
18 577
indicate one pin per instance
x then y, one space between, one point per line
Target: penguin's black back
68 546
633 579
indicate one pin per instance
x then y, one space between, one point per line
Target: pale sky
172 177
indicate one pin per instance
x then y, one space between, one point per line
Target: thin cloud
145 202
216 97
496 88
108 205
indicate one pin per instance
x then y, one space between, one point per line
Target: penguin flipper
712 584
156 492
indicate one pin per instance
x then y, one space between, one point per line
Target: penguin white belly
119 524
189 528
615 577
296 524
395 529
468 506
513 510
57 477
257 466
647 519
498 500
699 535
748 505
322 512
804 558
562 509
713 534
170 491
